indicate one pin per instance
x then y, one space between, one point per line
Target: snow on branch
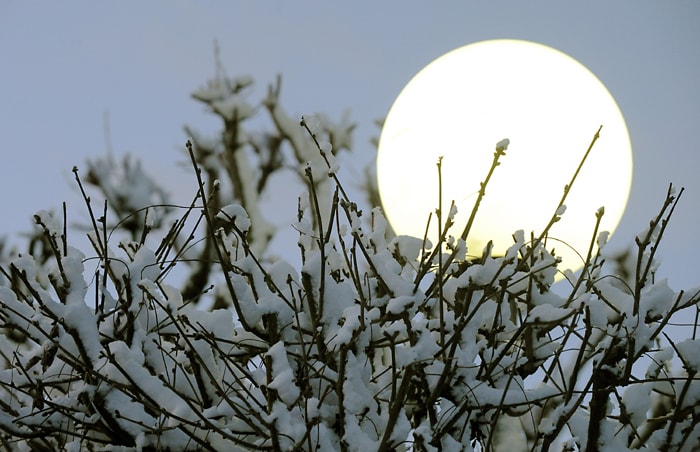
374 343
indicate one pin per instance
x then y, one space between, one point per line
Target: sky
68 66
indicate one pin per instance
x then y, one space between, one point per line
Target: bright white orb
549 106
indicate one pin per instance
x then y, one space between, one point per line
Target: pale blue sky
64 64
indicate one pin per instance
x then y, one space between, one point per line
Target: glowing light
548 105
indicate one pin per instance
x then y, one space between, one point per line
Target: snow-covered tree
375 343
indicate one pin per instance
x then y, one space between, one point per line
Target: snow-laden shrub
375 343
